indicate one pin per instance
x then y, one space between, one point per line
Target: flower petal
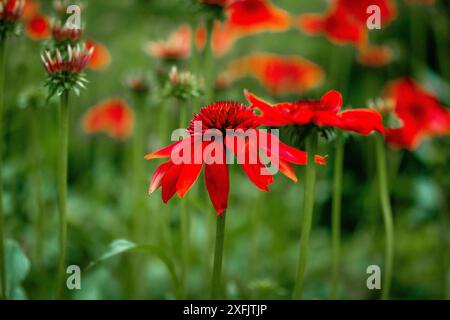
169 182
362 121
218 185
332 100
189 174
158 176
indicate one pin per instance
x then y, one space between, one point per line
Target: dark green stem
336 215
308 210
3 293
62 190
383 190
216 285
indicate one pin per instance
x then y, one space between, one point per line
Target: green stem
36 160
216 289
62 191
383 190
3 293
308 210
184 217
208 62
336 215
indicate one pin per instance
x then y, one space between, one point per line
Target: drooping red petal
169 182
158 176
362 121
218 185
286 169
189 174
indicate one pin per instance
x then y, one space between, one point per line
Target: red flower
112 116
75 61
346 22
221 116
243 18
420 112
37 27
323 112
178 46
375 56
101 58
62 33
279 74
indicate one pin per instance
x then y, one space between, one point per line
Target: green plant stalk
336 216
62 190
184 217
3 293
35 156
208 63
383 191
308 210
216 288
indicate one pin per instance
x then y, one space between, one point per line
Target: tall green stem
336 215
208 62
62 190
383 190
216 288
3 294
308 209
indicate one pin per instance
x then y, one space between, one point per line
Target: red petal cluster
178 45
74 63
11 10
179 178
419 111
279 74
112 116
324 112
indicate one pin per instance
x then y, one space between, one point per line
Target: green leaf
17 267
122 246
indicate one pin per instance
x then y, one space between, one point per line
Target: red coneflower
37 27
420 113
323 113
101 58
11 10
75 61
279 74
178 178
61 33
112 116
178 45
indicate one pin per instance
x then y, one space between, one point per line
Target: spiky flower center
225 115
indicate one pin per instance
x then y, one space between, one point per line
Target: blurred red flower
11 10
112 116
324 113
243 18
419 111
37 27
101 58
178 178
279 74
346 22
178 45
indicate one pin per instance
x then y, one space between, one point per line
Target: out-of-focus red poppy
37 27
324 113
101 58
345 21
243 18
375 56
279 74
420 113
178 45
112 116
221 116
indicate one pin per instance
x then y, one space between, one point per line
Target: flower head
10 12
237 125
178 46
64 34
182 85
420 113
112 116
37 27
279 74
322 113
65 68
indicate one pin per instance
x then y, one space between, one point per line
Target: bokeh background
108 197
